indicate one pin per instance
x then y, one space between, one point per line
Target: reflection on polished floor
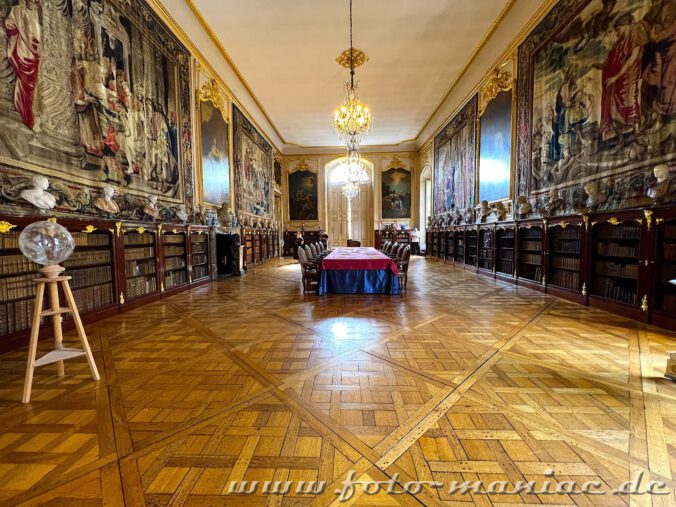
461 379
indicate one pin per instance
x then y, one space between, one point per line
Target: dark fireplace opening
227 255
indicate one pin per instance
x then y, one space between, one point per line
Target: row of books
132 254
140 286
611 289
567 279
92 239
138 268
90 276
566 263
616 269
135 238
506 235
505 266
199 248
531 273
530 258
9 239
531 245
11 264
16 316
88 258
174 262
571 247
670 251
619 231
506 254
91 298
16 287
173 238
200 272
535 233
571 233
670 232
174 250
611 248
174 278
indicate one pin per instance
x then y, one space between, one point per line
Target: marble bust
38 195
182 213
151 209
658 190
105 202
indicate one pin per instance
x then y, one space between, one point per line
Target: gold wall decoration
649 218
211 92
5 227
121 298
141 230
501 80
395 162
52 220
89 229
118 228
644 303
301 166
359 58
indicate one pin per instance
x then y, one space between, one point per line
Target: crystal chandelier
355 174
352 120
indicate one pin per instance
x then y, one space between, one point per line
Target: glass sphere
46 243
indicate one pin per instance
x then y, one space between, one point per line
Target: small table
362 270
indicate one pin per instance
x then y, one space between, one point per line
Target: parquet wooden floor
250 392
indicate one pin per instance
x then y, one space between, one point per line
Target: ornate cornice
211 92
396 163
501 80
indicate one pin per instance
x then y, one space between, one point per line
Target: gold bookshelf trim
585 219
584 289
162 287
644 303
159 229
659 220
141 230
52 220
614 221
89 229
563 224
118 228
649 218
174 231
5 227
121 298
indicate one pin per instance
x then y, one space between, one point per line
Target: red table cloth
363 258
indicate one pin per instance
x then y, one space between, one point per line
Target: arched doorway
348 219
425 203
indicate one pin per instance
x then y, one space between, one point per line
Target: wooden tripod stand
52 279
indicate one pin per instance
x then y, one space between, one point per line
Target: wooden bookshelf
486 248
530 253
175 259
615 249
564 256
459 246
449 239
199 255
504 253
140 263
471 247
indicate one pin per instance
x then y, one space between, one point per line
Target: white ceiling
286 50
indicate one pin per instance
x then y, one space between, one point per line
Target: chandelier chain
351 50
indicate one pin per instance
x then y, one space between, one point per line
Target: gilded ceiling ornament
500 81
211 92
395 162
359 58
301 165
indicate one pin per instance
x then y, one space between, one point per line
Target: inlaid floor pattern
248 379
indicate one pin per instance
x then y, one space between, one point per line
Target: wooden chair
402 264
352 243
310 275
385 246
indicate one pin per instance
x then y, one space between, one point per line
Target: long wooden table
361 270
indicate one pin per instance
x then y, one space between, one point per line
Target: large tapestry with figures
253 168
94 95
455 163
597 105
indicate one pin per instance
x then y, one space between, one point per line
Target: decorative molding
5 227
359 58
501 80
302 165
396 163
211 92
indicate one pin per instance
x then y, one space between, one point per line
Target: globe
46 243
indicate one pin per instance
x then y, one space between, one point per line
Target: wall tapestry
495 148
303 195
396 193
94 94
253 168
597 104
455 163
215 160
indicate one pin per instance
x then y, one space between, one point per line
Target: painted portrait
278 173
455 162
495 148
94 94
396 193
597 100
303 195
215 161
253 168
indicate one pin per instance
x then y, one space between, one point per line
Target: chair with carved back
352 243
403 264
310 275
385 247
